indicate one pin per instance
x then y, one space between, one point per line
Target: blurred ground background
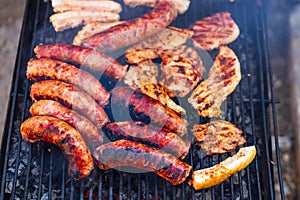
278 16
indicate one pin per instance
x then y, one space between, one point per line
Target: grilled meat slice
218 137
72 19
168 38
157 92
137 155
45 68
135 30
141 74
71 96
214 31
223 78
154 136
69 140
91 5
135 56
86 128
92 28
87 58
143 106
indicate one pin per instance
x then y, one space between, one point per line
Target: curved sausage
70 96
85 127
143 106
138 155
154 136
132 31
85 57
45 68
58 132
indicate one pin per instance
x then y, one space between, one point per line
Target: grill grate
38 171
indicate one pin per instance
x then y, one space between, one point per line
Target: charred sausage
58 132
154 136
132 31
70 96
46 68
85 57
138 155
85 127
143 106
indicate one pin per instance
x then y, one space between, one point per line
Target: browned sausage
154 136
143 106
85 57
85 127
70 96
130 32
46 68
138 155
58 132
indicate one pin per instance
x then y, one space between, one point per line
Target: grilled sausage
141 156
157 137
132 31
86 128
46 68
85 57
58 132
70 96
143 106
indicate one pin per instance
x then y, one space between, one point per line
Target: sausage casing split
58 132
85 127
85 57
71 96
138 155
132 31
143 106
45 68
154 136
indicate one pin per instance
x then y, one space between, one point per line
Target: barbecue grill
39 170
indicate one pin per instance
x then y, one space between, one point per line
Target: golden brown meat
87 58
70 96
92 136
72 19
144 107
135 30
141 156
151 135
92 5
223 78
58 132
45 68
214 31
218 137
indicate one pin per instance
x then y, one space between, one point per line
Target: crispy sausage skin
45 68
85 57
132 31
154 136
85 127
70 96
138 155
143 106
58 132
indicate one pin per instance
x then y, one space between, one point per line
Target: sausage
132 31
143 107
128 153
58 132
71 96
85 57
154 136
85 127
45 68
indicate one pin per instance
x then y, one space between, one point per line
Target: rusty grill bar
38 171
